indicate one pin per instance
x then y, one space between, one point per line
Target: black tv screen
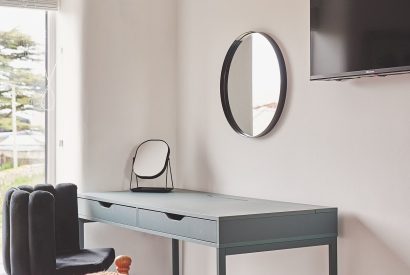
350 38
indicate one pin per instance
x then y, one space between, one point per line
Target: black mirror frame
165 164
224 84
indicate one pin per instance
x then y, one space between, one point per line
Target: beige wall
117 65
240 86
344 144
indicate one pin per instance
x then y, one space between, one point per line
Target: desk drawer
184 226
107 211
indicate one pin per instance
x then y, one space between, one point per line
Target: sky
29 21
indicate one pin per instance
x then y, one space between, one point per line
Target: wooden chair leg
122 264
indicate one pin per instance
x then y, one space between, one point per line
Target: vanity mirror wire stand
151 160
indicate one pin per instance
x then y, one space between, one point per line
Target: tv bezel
358 74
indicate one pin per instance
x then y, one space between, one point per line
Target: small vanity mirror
253 84
151 160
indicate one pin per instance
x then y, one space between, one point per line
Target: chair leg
123 264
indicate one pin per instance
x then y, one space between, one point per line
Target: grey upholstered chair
41 233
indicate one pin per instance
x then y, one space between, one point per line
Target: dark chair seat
84 261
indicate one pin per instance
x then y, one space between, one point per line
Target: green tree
18 53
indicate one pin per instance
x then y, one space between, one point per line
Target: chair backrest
28 232
67 230
25 209
6 231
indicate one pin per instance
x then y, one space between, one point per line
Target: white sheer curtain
32 4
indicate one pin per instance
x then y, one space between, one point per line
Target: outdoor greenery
6 165
22 70
18 54
6 126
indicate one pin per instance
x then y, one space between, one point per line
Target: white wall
116 88
69 108
344 144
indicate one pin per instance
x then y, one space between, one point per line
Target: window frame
51 67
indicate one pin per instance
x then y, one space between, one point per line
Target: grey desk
233 225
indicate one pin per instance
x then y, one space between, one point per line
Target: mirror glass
151 158
253 84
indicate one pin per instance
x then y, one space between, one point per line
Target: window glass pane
23 86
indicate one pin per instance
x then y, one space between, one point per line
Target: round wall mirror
253 84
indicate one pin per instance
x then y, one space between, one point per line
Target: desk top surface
205 205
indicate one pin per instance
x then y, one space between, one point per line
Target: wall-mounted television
353 38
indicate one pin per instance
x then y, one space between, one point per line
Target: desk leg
333 258
81 232
175 257
221 261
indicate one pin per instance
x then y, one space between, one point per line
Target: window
25 85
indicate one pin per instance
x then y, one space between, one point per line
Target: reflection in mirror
151 158
253 84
